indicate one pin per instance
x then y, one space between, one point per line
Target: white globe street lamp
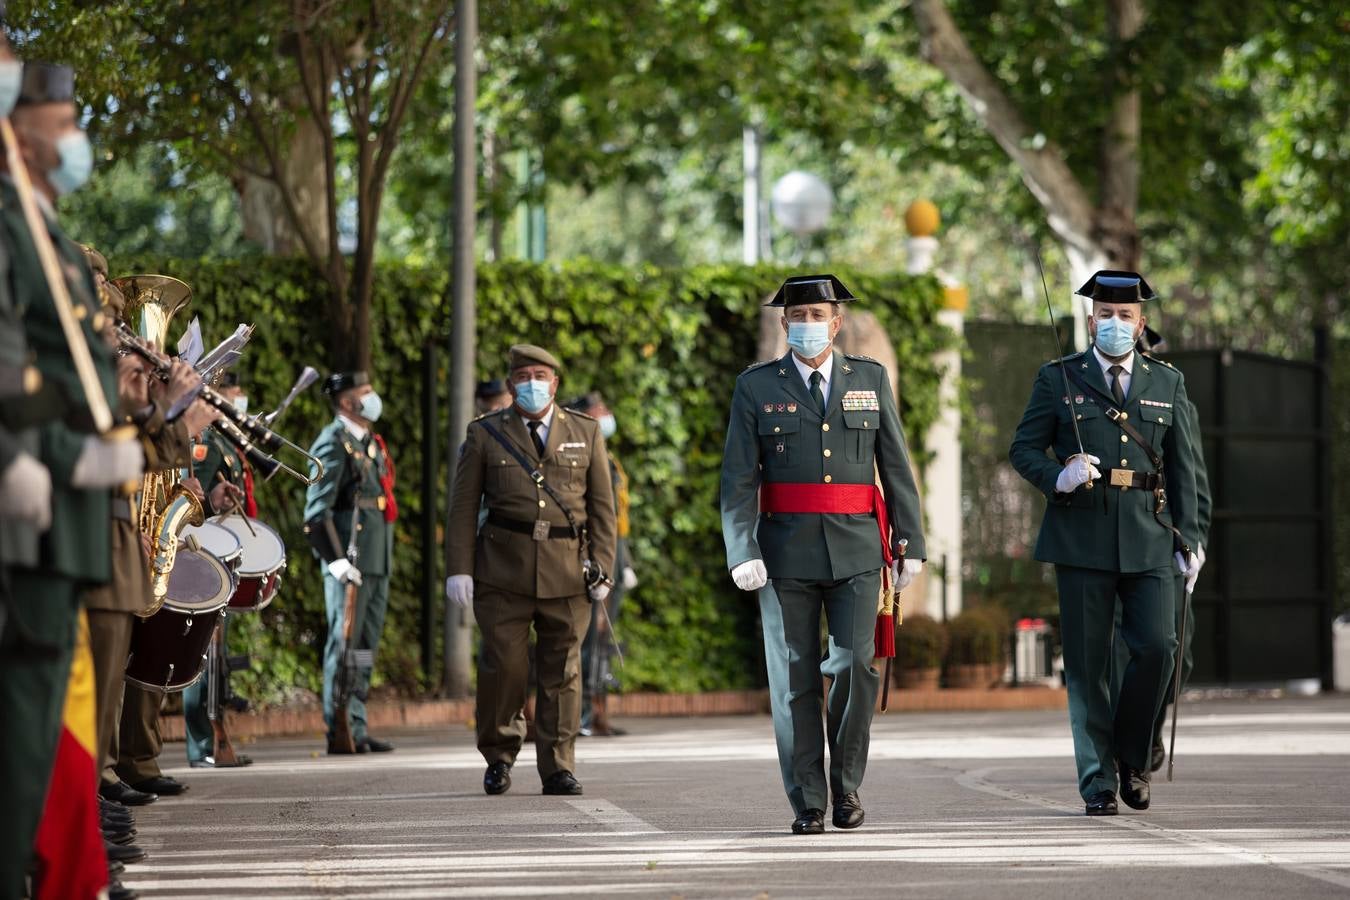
802 203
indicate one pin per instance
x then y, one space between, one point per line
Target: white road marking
612 816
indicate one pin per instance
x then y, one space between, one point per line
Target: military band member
805 525
357 484
525 566
39 634
1121 513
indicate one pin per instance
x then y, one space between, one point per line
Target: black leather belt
121 509
555 532
364 503
1128 478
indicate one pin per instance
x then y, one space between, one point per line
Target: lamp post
802 204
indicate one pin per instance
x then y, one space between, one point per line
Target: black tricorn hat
494 388
1116 286
801 289
1150 340
229 379
46 83
344 381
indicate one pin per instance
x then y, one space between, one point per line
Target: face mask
607 426
11 79
534 396
371 407
77 162
809 338
241 404
1114 337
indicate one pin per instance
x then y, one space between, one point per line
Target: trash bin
1340 652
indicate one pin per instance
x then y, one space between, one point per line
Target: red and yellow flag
69 847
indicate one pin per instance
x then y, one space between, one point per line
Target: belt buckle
1122 478
541 530
380 503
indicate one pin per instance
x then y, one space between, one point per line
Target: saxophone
166 507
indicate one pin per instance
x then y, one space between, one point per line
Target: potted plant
975 652
920 645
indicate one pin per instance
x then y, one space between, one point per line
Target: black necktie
816 393
1116 390
538 441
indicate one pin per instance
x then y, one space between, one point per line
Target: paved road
958 805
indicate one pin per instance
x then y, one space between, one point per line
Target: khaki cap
530 355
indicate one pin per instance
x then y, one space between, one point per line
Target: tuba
166 507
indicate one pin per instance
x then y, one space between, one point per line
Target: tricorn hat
344 381
1115 286
45 82
801 289
487 389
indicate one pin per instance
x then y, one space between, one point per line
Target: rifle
1064 372
350 659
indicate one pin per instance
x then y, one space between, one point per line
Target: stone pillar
942 475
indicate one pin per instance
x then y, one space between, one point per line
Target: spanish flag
69 847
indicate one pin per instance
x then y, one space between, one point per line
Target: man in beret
356 491
544 553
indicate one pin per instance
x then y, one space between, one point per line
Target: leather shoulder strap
535 475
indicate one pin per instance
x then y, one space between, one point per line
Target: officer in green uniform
805 525
1150 344
39 636
221 473
356 486
1113 531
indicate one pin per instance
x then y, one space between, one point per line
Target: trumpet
253 440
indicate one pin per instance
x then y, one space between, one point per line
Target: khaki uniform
524 577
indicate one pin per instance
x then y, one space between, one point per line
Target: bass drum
168 649
260 566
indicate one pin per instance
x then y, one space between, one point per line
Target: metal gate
1263 605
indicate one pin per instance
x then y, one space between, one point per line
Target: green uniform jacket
18 540
1104 527
77 545
575 464
351 476
220 458
776 435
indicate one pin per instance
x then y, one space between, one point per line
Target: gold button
776 429
541 504
1124 439
98 321
828 479
503 462
864 423
1160 418
825 427
80 313
1124 462
1080 415
32 380
359 527
827 453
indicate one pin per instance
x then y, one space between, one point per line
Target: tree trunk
265 219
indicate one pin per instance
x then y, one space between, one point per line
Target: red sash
387 481
857 499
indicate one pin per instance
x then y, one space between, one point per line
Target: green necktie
816 393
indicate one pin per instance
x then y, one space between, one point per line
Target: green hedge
664 346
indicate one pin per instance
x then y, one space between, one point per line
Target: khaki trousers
139 739
110 641
503 671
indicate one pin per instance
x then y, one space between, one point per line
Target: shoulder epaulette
858 357
758 365
1072 356
580 414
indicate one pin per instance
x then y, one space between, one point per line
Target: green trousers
372 602
790 612
1122 659
199 736
1106 731
35 656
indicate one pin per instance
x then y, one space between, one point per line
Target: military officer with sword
806 525
1121 513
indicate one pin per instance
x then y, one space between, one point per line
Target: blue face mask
608 426
534 396
11 79
77 162
809 339
371 407
1114 337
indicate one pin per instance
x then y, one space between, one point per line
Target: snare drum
261 564
220 542
168 650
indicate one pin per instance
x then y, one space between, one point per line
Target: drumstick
239 507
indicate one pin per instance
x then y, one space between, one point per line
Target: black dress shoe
115 836
125 794
369 744
809 821
123 853
241 760
1159 757
1102 803
162 785
1134 787
118 891
114 814
562 784
848 811
115 869
497 778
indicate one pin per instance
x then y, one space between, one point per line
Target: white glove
459 589
104 464
1200 555
1188 566
1080 469
630 580
343 570
750 575
904 571
599 592
26 492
